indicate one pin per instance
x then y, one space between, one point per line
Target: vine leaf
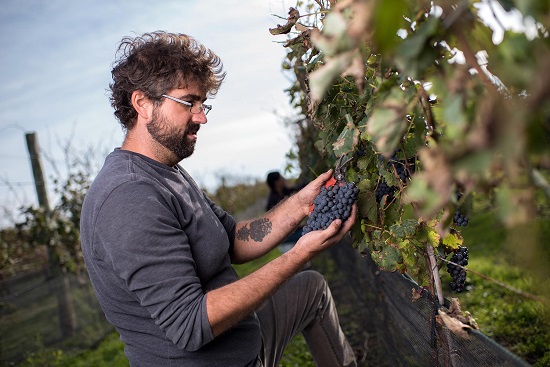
367 205
405 229
321 79
347 140
391 214
432 187
416 54
429 235
334 38
452 241
343 30
388 258
387 124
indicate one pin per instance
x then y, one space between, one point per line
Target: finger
353 214
324 177
349 222
334 227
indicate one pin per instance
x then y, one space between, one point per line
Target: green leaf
388 19
321 79
392 214
389 258
334 37
363 162
347 140
362 245
387 124
416 53
420 192
454 117
405 228
367 206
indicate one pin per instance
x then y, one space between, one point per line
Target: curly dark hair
157 62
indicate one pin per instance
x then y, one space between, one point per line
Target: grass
518 323
110 352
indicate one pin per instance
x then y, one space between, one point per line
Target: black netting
380 317
394 329
38 311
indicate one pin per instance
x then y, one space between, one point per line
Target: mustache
192 128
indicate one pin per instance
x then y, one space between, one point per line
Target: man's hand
306 195
318 241
254 238
229 304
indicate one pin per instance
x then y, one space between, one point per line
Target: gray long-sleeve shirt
154 245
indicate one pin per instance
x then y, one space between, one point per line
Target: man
278 189
159 252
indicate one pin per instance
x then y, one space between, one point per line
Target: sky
56 63
56 60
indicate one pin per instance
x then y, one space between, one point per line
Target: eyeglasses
194 107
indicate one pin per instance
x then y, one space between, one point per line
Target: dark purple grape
333 202
460 257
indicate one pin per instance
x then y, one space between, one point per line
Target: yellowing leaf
452 241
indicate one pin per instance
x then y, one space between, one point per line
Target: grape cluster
384 189
458 274
460 219
400 168
333 202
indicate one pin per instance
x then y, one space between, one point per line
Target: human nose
199 118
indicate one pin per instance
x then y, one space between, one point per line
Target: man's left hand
310 191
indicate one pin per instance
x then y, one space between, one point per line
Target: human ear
142 104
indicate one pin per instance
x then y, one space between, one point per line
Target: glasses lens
199 108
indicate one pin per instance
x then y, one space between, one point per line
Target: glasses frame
202 108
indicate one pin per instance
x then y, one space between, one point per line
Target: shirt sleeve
144 243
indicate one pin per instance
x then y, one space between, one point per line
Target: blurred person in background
278 190
159 251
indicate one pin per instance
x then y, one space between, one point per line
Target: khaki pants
304 304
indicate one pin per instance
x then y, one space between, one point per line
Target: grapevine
421 125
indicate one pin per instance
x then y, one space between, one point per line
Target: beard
170 137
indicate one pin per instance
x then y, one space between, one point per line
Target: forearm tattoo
255 230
